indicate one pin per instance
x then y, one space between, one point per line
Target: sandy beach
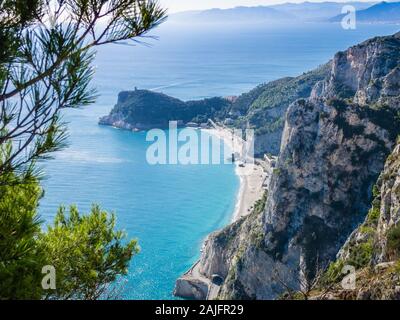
251 181
251 176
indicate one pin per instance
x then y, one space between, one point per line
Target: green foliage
250 109
260 204
143 106
375 191
15 15
227 235
87 253
291 89
21 259
276 171
367 230
333 273
46 55
393 242
373 215
385 117
254 105
361 254
397 267
298 296
257 233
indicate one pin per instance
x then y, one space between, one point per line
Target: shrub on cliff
393 242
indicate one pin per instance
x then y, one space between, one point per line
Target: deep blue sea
171 209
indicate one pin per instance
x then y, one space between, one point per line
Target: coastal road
213 289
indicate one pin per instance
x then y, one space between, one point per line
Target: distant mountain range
381 12
306 11
318 11
235 14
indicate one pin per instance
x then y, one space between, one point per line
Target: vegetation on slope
148 107
264 107
373 249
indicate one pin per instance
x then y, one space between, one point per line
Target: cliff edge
334 147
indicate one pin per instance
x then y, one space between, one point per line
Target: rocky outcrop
373 249
191 288
262 109
383 217
145 110
366 73
268 143
389 212
334 147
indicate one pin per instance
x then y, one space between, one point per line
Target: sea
170 209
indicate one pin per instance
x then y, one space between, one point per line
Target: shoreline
251 177
193 284
250 182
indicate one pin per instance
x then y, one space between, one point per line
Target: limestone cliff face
389 212
264 107
268 142
366 73
383 216
373 249
334 147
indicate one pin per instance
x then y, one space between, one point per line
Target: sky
184 5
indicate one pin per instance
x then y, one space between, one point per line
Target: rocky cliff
334 147
372 251
144 110
261 109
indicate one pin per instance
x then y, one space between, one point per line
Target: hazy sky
183 5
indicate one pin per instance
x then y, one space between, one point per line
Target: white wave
176 84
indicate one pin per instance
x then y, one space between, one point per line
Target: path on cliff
213 289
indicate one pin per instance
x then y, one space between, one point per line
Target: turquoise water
170 209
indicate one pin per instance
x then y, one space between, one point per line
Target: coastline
193 284
251 178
